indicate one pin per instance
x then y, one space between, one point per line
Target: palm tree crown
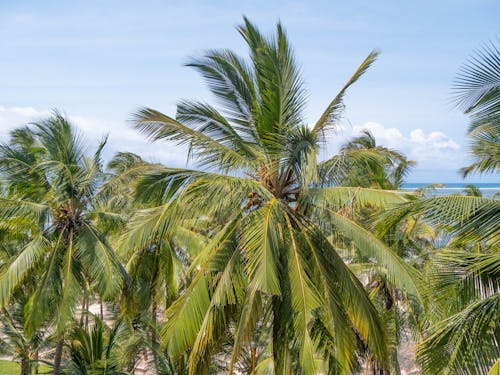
50 202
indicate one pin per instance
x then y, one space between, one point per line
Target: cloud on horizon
433 151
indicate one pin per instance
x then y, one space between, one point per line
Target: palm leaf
20 267
332 114
260 240
477 87
399 272
210 152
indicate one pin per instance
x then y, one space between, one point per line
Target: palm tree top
258 128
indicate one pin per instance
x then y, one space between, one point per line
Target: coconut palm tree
269 261
50 185
385 170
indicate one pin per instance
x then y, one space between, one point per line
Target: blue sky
99 61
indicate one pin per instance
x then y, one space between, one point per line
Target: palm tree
269 260
99 349
157 270
477 93
385 170
50 188
462 337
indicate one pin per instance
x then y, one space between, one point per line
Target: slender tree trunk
25 366
253 353
37 366
58 357
102 308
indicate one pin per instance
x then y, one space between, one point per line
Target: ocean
488 189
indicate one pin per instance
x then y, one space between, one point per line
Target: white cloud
13 117
434 150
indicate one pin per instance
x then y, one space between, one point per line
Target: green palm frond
470 276
208 121
334 170
209 151
10 208
484 148
280 88
102 264
186 315
245 325
229 290
398 271
329 118
345 295
305 298
465 341
260 240
231 80
19 268
464 216
70 287
357 197
477 87
47 294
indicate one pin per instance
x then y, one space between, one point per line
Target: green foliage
99 349
259 258
477 93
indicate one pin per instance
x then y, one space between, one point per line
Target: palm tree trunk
253 353
102 308
36 362
58 357
25 366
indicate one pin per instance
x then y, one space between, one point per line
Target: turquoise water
488 189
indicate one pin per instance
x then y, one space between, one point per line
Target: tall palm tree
269 260
50 185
